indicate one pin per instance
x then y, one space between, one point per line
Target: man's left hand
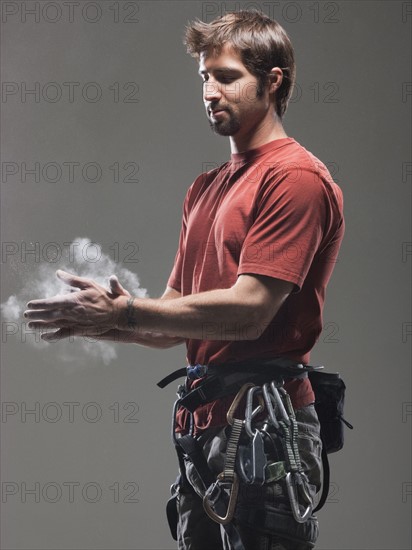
89 308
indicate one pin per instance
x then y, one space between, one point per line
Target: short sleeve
175 278
287 229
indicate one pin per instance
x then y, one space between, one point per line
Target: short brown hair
260 41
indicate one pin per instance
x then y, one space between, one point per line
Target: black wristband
130 314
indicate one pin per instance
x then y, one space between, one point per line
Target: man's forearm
142 338
215 315
157 340
241 312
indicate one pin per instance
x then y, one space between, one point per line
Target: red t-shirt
273 211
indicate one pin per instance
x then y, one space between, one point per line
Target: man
259 239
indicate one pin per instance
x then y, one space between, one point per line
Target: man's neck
269 130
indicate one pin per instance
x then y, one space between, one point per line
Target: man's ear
275 79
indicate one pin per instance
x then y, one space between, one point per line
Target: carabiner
279 403
173 431
207 504
291 488
268 401
250 412
236 401
174 413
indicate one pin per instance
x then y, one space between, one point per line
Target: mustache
218 107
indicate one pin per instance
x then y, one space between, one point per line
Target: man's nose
211 91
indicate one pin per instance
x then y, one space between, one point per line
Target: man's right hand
150 339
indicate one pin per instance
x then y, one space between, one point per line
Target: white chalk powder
42 282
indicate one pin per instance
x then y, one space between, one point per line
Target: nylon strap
194 452
231 450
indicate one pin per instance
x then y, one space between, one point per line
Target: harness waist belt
223 380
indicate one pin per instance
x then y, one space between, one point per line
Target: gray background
356 55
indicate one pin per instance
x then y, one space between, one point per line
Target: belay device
261 384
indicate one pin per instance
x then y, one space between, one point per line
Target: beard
228 126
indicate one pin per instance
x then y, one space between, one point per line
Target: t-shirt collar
246 156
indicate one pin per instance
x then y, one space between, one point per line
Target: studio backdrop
103 131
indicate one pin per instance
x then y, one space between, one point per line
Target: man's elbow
257 321
260 299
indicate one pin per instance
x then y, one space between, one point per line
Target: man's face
233 99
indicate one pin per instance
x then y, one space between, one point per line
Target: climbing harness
268 422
